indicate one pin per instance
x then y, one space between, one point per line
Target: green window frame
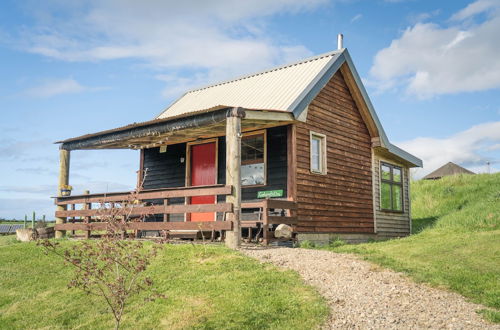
391 188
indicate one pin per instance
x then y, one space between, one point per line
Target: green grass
457 245
207 288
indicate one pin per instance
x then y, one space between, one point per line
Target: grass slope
207 287
458 241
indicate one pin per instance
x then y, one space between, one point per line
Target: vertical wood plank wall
276 164
390 224
341 201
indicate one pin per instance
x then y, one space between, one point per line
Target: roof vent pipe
340 41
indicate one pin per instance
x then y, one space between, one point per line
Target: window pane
252 148
316 154
385 196
396 198
386 172
252 174
396 174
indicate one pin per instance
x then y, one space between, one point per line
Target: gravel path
364 296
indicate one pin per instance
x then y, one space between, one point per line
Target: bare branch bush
112 267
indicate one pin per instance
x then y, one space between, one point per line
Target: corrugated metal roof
275 89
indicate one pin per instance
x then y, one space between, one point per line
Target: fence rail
266 219
134 204
82 217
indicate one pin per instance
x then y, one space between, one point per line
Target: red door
203 172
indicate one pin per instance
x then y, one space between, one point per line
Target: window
391 187
318 153
253 159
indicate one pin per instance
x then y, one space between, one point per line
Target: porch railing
131 205
268 216
80 214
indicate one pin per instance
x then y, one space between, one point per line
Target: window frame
323 162
392 183
247 134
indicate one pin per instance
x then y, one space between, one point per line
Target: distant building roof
447 170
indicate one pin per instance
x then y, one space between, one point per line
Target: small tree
111 268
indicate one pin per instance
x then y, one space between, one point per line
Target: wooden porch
90 212
80 212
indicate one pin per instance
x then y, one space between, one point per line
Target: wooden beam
268 115
281 204
148 194
200 226
265 223
64 157
148 210
140 172
276 220
292 162
233 175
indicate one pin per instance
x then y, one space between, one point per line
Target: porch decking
135 207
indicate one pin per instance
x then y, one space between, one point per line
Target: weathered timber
148 194
391 224
276 220
203 225
64 158
233 176
341 200
148 210
292 162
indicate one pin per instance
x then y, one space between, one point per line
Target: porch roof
186 127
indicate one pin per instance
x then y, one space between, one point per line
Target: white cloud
216 38
356 18
474 8
57 87
429 59
470 148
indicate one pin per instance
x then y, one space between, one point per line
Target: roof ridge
276 68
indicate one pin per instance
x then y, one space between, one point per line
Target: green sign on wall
270 193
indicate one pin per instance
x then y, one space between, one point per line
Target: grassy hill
457 241
207 287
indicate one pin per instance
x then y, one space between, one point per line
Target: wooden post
33 221
265 222
73 207
87 206
292 162
63 180
233 174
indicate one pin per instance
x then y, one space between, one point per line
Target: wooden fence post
233 174
63 180
87 206
265 222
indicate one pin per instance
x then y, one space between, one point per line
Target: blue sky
73 67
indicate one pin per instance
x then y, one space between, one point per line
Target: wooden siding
164 170
276 164
391 224
342 200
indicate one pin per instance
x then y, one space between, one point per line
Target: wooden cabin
299 144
